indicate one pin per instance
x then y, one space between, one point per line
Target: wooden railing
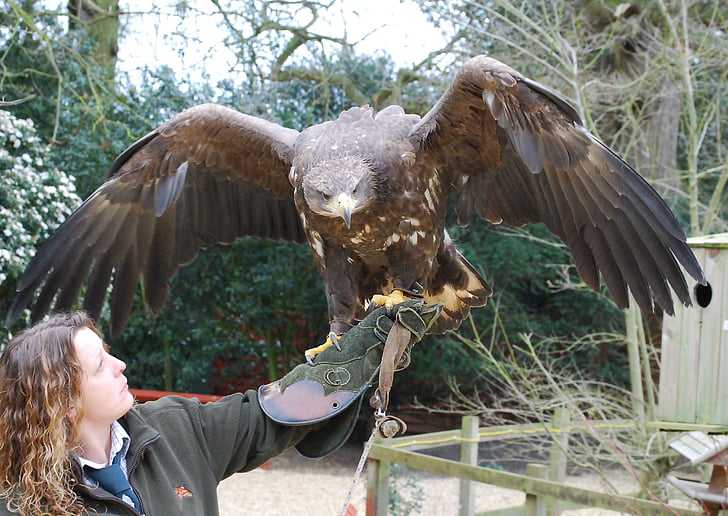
151 395
543 484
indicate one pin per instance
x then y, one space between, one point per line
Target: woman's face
105 396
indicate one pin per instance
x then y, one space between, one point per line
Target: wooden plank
686 427
670 364
719 318
708 380
507 480
699 447
689 356
715 241
686 375
468 455
377 487
518 510
698 490
535 504
151 395
632 319
425 441
499 433
651 404
559 446
558 456
565 505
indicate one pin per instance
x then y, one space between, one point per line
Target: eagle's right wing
209 175
518 153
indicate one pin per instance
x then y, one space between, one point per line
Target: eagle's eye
325 196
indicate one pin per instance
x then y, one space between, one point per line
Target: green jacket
181 449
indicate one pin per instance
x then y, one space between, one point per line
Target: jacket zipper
136 459
111 499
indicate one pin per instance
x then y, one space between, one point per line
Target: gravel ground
296 486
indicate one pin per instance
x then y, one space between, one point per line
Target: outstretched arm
314 407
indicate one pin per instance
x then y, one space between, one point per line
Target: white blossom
34 199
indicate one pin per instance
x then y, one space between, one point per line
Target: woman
73 441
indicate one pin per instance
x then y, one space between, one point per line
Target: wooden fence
543 484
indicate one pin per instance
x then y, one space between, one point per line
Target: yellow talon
395 298
313 352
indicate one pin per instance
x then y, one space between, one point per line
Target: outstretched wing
525 156
210 175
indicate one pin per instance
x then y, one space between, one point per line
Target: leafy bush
34 197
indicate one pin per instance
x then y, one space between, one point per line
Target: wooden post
632 319
646 370
468 455
535 505
557 455
377 487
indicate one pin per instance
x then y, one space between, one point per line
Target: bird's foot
331 340
395 298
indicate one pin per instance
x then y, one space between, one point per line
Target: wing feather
122 296
208 176
583 257
658 248
525 156
98 283
607 265
67 293
160 263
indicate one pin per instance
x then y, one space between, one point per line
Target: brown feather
98 282
551 170
210 175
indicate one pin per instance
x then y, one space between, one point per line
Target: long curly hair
40 385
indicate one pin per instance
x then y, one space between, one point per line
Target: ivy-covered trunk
100 20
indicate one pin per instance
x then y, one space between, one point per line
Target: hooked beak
344 207
347 217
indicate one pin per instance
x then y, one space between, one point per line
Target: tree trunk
657 156
100 19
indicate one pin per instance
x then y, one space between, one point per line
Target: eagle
369 192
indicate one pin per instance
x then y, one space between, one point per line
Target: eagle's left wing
516 152
208 176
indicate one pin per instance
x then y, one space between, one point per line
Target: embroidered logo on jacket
182 491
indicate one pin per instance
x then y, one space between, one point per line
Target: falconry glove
333 388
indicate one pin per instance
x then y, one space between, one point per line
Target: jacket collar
119 444
142 434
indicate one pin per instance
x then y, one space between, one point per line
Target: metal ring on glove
391 426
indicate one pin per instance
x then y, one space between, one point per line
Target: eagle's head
340 187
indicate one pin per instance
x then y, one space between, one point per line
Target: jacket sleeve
240 437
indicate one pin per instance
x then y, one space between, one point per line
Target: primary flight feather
369 193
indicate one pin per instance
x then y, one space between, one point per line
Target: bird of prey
369 192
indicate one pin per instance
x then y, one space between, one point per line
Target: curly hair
40 385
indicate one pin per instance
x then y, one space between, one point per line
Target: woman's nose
122 365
